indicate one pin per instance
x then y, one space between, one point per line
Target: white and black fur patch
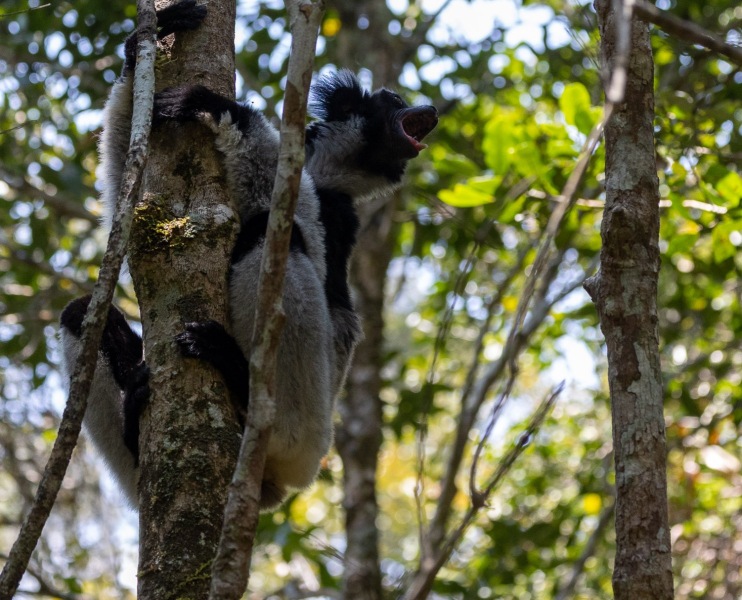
357 149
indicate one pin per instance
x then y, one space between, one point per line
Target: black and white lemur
358 148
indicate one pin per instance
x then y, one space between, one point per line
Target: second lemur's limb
120 385
118 392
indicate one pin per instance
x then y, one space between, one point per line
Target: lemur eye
397 101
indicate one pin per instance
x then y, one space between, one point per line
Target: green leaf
575 104
723 248
475 192
730 188
499 141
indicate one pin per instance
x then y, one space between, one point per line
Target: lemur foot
209 341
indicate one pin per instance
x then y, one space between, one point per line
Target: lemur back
358 148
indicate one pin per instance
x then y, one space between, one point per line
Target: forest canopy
518 88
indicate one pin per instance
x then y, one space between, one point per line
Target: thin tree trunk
625 293
359 439
183 233
359 436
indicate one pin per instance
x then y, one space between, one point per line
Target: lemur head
362 142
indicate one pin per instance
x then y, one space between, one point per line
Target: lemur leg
118 392
120 386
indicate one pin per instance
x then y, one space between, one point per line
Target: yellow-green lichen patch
156 228
175 230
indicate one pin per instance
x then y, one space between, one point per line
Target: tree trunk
182 238
359 436
359 439
625 293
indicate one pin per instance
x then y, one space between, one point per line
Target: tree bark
182 238
359 438
359 435
625 293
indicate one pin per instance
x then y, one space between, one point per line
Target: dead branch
686 31
231 566
95 319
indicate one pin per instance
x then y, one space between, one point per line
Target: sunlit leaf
575 104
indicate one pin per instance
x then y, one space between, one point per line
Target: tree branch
422 582
517 337
231 567
687 31
95 319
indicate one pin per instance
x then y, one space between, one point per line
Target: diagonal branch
687 31
422 582
517 337
95 319
231 566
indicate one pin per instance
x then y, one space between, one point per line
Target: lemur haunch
358 148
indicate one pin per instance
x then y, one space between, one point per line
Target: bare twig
95 319
231 566
615 91
20 12
514 344
480 236
552 227
58 203
10 129
476 390
428 390
423 580
687 31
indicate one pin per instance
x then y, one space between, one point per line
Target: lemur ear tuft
337 96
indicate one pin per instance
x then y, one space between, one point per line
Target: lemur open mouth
417 122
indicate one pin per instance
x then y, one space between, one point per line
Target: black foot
135 399
182 16
188 102
209 341
121 346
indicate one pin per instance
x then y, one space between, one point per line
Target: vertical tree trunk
182 237
625 293
359 437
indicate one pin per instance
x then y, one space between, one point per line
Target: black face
405 126
392 131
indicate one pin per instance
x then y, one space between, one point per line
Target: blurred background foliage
518 87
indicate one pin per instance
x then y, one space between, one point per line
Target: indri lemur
358 148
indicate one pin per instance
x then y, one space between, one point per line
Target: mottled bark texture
625 293
183 232
358 436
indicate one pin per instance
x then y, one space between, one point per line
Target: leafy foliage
515 111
